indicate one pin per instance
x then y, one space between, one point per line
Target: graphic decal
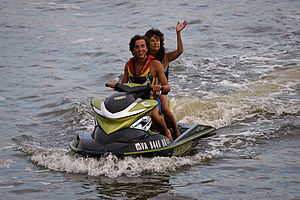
141 146
155 144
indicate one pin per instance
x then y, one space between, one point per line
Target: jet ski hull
133 142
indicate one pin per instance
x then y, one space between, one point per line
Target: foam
257 98
231 84
110 166
7 163
83 40
11 146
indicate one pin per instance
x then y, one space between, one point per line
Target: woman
156 49
143 69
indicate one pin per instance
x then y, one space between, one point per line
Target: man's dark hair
134 39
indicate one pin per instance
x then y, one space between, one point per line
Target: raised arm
173 55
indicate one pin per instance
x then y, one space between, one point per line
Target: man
143 69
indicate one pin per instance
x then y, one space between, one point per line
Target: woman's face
140 49
154 43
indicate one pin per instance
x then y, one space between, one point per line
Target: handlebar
135 88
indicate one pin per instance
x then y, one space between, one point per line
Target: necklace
134 68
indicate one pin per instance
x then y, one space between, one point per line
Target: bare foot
169 135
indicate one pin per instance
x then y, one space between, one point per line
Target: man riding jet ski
123 120
123 126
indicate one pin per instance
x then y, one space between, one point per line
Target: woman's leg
169 116
159 120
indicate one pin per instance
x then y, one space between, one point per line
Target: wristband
162 88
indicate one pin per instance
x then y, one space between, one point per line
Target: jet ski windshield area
118 102
137 90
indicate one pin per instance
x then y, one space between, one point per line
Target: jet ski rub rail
184 134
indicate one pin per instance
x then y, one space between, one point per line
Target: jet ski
123 127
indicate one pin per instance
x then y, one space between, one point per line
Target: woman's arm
175 54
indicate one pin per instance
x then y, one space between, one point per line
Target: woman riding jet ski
123 126
123 119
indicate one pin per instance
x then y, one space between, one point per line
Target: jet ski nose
76 141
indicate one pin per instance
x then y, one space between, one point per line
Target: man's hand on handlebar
156 88
111 84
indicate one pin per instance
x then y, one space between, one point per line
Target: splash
275 94
6 163
259 98
110 166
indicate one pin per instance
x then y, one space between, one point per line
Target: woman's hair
160 35
134 39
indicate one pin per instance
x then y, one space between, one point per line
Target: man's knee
155 112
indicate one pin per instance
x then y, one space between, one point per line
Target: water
239 73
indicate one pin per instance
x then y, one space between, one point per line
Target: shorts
159 104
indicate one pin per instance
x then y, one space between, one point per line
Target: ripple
51 6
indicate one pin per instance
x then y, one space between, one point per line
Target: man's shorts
159 104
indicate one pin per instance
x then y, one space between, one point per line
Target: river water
240 72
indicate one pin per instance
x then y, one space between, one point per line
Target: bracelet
162 88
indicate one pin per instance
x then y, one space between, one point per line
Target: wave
275 94
110 166
243 118
51 6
